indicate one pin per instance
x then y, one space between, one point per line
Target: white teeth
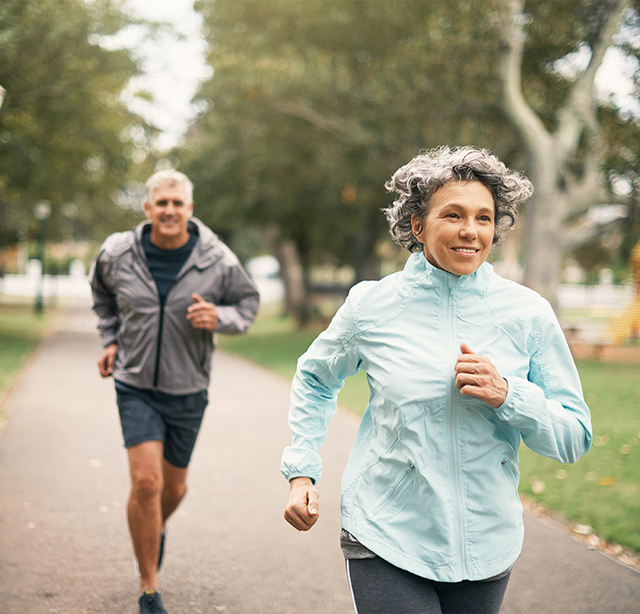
465 251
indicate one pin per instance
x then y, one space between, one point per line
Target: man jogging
161 290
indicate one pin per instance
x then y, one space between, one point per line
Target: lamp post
41 212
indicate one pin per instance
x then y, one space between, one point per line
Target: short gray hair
170 177
417 182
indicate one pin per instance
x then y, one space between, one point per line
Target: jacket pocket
399 492
513 473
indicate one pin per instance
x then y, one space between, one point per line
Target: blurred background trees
66 136
313 105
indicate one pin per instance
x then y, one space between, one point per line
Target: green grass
20 332
601 490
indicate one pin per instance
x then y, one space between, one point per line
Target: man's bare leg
175 488
145 508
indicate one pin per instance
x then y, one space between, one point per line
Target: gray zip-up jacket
158 349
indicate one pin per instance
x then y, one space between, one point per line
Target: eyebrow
483 210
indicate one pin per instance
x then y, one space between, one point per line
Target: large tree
313 105
558 118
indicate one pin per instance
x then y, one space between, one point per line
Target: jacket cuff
301 463
108 339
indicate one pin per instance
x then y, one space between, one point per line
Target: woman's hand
476 376
302 508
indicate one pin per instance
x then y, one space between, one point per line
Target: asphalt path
64 543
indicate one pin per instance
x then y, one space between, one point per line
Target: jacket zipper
179 276
452 415
145 264
158 347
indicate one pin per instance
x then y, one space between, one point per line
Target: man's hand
476 376
302 508
202 314
107 360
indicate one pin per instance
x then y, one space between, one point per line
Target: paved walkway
64 545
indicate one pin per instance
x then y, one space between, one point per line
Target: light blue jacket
431 484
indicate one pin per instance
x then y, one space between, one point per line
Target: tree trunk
543 234
296 296
543 258
559 193
509 264
364 259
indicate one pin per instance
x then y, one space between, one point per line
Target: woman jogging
462 365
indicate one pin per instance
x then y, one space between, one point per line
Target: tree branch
338 128
579 110
516 107
588 190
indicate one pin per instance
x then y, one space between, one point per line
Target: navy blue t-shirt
165 264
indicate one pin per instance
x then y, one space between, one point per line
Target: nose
468 229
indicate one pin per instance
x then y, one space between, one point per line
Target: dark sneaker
161 553
151 602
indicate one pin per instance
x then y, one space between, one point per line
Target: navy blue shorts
148 415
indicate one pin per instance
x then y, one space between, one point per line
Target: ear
147 209
416 227
190 208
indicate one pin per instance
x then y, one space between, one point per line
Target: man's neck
164 242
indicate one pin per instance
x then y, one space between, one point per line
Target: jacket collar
419 271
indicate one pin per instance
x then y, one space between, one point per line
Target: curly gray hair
170 177
417 182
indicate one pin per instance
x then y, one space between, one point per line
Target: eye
452 215
486 218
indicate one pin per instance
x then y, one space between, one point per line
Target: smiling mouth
465 250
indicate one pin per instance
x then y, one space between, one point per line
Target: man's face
169 213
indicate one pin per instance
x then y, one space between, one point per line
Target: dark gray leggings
378 587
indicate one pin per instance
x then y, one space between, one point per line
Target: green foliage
313 105
65 134
623 135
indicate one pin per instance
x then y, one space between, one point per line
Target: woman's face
458 230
